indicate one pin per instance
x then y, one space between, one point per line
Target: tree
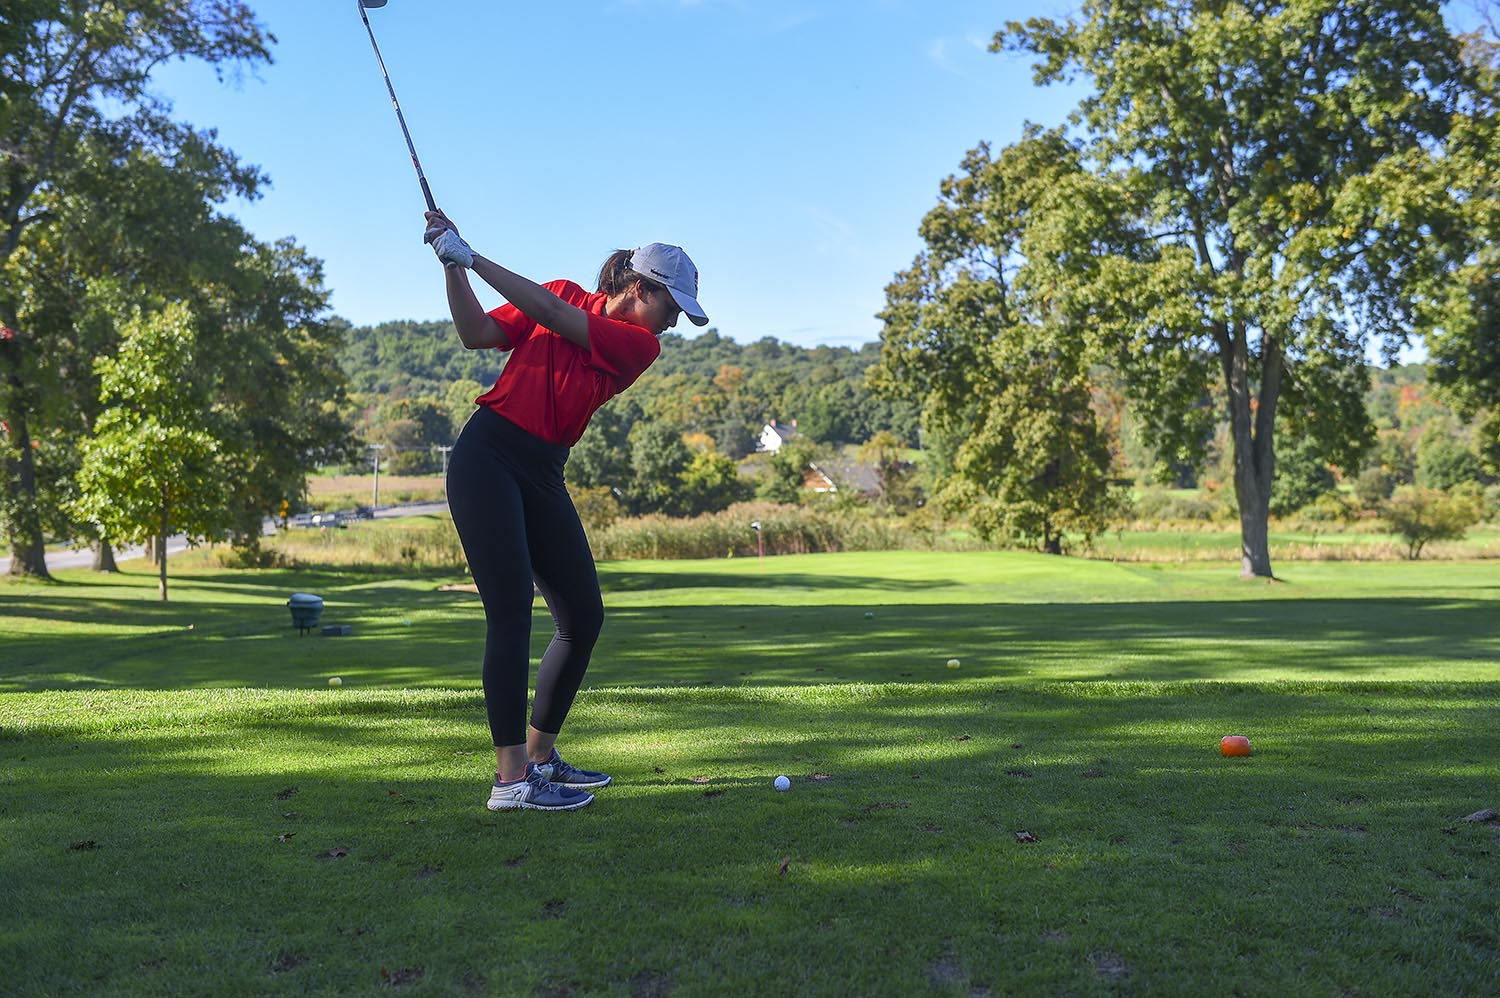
1301 477
459 400
893 473
710 483
601 458
658 458
972 331
1443 459
1423 515
411 429
1280 172
73 97
264 330
828 413
1464 304
154 467
786 472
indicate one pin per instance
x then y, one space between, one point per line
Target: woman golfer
571 351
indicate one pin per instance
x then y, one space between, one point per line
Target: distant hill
822 386
412 359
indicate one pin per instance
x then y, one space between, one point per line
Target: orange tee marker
1234 745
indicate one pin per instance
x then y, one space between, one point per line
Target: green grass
1221 542
168 795
787 621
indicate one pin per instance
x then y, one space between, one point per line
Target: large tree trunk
18 471
1255 542
1051 542
161 552
104 557
1252 425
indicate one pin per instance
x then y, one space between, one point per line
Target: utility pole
445 451
377 448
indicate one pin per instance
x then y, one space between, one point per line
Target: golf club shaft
421 178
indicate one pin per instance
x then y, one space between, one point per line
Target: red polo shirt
550 386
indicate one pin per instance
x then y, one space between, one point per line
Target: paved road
85 558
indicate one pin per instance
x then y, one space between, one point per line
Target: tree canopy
1249 196
106 204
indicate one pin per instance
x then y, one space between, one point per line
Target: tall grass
784 529
420 542
431 542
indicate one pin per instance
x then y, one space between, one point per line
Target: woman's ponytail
615 276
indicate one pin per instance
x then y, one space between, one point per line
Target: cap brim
689 306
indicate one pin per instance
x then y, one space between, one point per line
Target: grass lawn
1221 542
185 805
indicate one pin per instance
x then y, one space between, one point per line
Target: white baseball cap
672 267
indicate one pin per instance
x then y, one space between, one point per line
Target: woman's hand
446 242
437 224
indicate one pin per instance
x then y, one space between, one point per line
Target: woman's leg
564 570
485 499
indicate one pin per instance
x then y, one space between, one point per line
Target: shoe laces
536 779
560 768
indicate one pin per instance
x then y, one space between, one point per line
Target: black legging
518 525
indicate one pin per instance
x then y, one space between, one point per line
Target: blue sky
791 146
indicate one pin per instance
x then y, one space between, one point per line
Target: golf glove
452 250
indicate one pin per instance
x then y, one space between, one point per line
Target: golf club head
371 4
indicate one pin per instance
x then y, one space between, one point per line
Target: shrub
1443 461
785 529
1160 506
1492 502
1423 515
420 543
256 557
1374 486
1327 509
597 507
1302 476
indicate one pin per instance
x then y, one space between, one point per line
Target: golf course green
186 805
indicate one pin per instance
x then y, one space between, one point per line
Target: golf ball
335 681
783 784
869 615
953 663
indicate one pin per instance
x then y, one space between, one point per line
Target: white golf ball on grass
783 784
335 681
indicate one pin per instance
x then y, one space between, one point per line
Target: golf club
426 192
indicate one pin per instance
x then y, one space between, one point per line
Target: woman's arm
475 326
541 305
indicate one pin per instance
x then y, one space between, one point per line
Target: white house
773 435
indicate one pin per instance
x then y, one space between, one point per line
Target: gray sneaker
567 775
536 793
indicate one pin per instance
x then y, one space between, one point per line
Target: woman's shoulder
569 291
574 294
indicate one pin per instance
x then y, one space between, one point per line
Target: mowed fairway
185 805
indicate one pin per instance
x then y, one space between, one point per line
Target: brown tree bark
18 477
1252 425
104 557
161 548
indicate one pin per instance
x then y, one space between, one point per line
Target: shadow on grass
411 637
617 580
307 843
